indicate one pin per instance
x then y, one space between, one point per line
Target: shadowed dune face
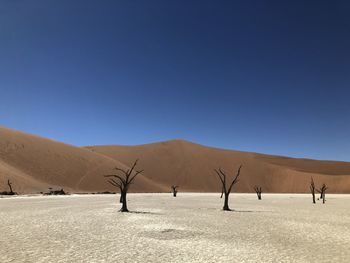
33 164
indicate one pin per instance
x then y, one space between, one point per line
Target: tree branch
137 173
222 179
235 180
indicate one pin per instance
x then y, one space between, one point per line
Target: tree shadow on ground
246 211
144 212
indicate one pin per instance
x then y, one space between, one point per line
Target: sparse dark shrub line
55 192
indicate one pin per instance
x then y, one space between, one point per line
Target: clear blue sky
263 76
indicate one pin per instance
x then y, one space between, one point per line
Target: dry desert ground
188 228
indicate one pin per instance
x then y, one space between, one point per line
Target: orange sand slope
191 166
33 164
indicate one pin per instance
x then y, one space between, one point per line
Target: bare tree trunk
124 206
121 198
10 186
312 189
174 189
324 197
322 191
226 207
258 191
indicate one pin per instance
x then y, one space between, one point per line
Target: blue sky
263 76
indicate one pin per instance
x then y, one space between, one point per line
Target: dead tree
10 186
123 182
322 192
174 189
11 192
258 191
227 190
312 189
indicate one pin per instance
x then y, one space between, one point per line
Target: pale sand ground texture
189 228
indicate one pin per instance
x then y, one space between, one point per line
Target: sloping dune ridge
34 164
191 167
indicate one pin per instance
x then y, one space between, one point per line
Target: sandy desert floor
189 228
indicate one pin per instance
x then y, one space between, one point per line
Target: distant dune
191 166
34 164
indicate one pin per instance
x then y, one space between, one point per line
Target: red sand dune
34 164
